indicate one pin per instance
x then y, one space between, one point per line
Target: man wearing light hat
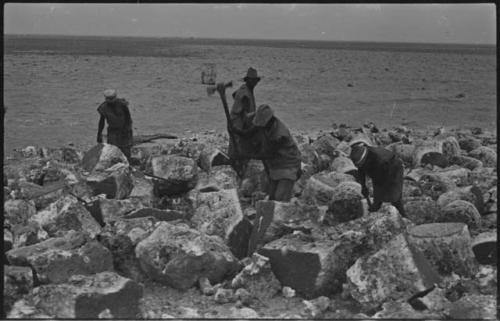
115 112
241 114
279 153
386 171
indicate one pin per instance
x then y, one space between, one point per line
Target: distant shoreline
58 44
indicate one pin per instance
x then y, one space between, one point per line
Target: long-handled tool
210 91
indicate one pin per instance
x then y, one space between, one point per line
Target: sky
432 23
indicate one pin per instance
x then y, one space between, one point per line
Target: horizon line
251 39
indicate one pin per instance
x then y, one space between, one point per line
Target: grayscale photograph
250 161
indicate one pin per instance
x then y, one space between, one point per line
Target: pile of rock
84 231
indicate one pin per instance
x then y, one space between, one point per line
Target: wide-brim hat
263 115
358 154
360 139
251 74
110 93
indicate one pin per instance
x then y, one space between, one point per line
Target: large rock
8 239
459 176
178 256
17 281
474 307
401 310
404 151
310 156
434 159
120 238
486 155
447 146
18 212
211 157
490 201
56 259
115 182
484 178
345 204
421 209
42 196
101 157
484 247
326 144
66 154
446 245
83 297
257 278
460 211
369 233
411 188
64 215
109 210
218 178
435 302
469 143
315 268
219 213
343 164
275 219
317 192
466 162
29 234
434 185
177 174
143 189
307 267
27 169
470 194
144 151
397 271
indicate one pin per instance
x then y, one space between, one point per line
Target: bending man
386 171
279 153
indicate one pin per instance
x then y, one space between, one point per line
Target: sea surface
53 84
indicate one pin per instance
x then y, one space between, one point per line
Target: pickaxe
210 91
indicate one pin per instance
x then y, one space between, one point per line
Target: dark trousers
126 151
280 190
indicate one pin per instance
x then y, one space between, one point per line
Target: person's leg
375 205
399 206
284 190
126 150
271 191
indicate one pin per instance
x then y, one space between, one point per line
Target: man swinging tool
239 120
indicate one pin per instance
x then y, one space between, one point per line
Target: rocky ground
176 233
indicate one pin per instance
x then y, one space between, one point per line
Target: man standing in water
116 113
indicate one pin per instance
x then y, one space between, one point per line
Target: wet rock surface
182 244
